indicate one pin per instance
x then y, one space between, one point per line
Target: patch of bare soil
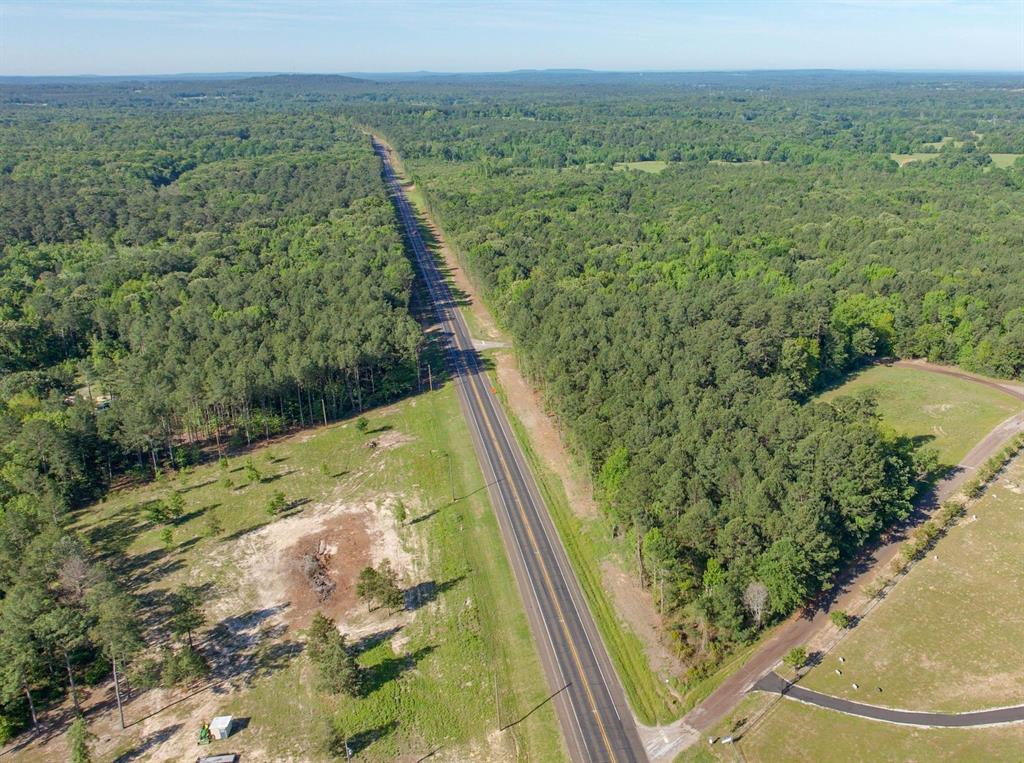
547 442
345 537
388 440
636 606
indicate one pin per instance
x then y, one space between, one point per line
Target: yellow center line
547 577
533 541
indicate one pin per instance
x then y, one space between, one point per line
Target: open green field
951 414
998 160
440 676
654 166
903 159
948 636
793 731
1004 160
785 730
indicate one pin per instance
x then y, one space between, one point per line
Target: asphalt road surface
775 684
596 721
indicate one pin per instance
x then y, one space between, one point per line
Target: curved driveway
773 683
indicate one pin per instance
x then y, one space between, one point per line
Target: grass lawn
648 166
948 637
459 662
1004 160
952 414
796 732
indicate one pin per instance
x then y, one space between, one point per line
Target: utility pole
451 480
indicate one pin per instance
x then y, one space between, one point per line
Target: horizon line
493 72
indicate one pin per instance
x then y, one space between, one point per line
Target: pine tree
78 741
187 612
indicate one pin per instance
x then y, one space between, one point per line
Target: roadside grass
653 166
793 731
951 414
1004 160
586 544
462 656
948 637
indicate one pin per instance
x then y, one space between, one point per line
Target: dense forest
192 265
171 284
680 321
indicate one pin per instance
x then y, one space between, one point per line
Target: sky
63 37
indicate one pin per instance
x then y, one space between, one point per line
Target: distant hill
309 82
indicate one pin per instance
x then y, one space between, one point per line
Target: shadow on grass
276 477
423 517
358 741
200 486
422 594
116 534
153 740
535 708
391 668
369 642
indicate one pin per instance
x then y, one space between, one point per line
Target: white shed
220 727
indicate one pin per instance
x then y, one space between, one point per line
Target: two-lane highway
591 707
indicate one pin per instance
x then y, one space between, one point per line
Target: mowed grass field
998 160
904 159
951 414
1004 160
794 732
949 636
442 682
654 166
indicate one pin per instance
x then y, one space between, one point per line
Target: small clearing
1004 160
651 166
